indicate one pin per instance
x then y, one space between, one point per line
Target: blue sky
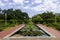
32 7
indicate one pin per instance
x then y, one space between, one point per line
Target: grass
9 24
54 25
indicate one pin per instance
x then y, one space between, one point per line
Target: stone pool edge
14 31
46 31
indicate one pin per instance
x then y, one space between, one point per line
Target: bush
44 23
30 33
57 26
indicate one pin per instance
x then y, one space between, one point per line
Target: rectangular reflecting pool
30 30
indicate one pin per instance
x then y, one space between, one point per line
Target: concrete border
36 36
14 31
31 37
46 31
7 37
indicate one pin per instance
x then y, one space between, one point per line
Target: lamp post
55 18
0 10
5 18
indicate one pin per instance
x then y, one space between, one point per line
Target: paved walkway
8 32
50 30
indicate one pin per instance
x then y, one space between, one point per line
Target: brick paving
54 32
50 30
7 32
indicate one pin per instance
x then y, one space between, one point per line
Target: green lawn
54 25
9 24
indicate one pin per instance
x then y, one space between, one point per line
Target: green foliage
12 18
56 25
30 30
48 18
30 33
37 19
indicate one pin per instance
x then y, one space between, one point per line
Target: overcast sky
32 7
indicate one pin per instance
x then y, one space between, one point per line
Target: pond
30 30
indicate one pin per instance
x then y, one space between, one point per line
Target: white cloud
38 1
18 1
26 1
2 4
10 3
6 0
27 7
47 5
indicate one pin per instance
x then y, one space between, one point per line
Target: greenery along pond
10 18
30 30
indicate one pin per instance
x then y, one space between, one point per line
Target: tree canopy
14 14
